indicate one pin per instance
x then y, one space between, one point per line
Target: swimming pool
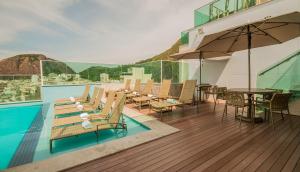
25 132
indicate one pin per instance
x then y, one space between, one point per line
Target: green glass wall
184 37
74 73
283 75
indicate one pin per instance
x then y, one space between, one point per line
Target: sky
95 31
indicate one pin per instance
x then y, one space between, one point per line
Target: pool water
25 131
14 122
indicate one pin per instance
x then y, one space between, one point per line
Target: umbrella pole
200 68
249 54
200 77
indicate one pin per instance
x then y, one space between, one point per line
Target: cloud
106 31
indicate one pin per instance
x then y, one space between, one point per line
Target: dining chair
278 103
236 100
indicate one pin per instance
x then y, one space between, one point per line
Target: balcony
221 8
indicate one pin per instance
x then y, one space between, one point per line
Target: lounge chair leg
290 118
50 143
224 112
272 119
282 115
97 135
160 114
215 103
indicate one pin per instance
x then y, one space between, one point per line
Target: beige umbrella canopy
196 54
263 33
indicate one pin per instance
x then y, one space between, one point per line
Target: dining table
250 92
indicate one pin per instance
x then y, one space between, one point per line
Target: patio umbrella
196 54
270 31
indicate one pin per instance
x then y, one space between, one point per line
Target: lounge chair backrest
137 85
127 84
148 88
86 93
98 99
164 88
187 92
95 93
108 104
117 111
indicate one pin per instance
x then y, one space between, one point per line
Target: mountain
164 55
29 64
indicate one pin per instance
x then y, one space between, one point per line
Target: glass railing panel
221 8
74 73
146 71
285 75
175 71
202 15
184 37
19 88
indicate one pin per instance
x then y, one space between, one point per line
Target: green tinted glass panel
284 75
184 37
221 8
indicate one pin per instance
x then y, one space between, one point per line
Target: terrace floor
205 144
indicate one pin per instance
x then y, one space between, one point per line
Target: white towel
72 99
84 115
79 107
77 103
171 101
86 124
150 95
135 93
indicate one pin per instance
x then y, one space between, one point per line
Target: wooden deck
205 144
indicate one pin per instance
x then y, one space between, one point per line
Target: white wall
234 72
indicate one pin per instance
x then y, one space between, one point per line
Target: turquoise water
15 121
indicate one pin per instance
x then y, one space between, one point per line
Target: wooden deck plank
277 154
292 161
229 161
204 144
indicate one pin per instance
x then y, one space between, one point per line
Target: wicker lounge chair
82 99
92 101
186 97
135 91
86 108
115 121
103 114
126 86
142 98
162 95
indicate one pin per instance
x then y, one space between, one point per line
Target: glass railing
76 73
221 8
283 75
184 39
19 88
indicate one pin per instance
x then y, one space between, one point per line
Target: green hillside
164 55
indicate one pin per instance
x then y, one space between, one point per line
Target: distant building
104 77
138 73
35 79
